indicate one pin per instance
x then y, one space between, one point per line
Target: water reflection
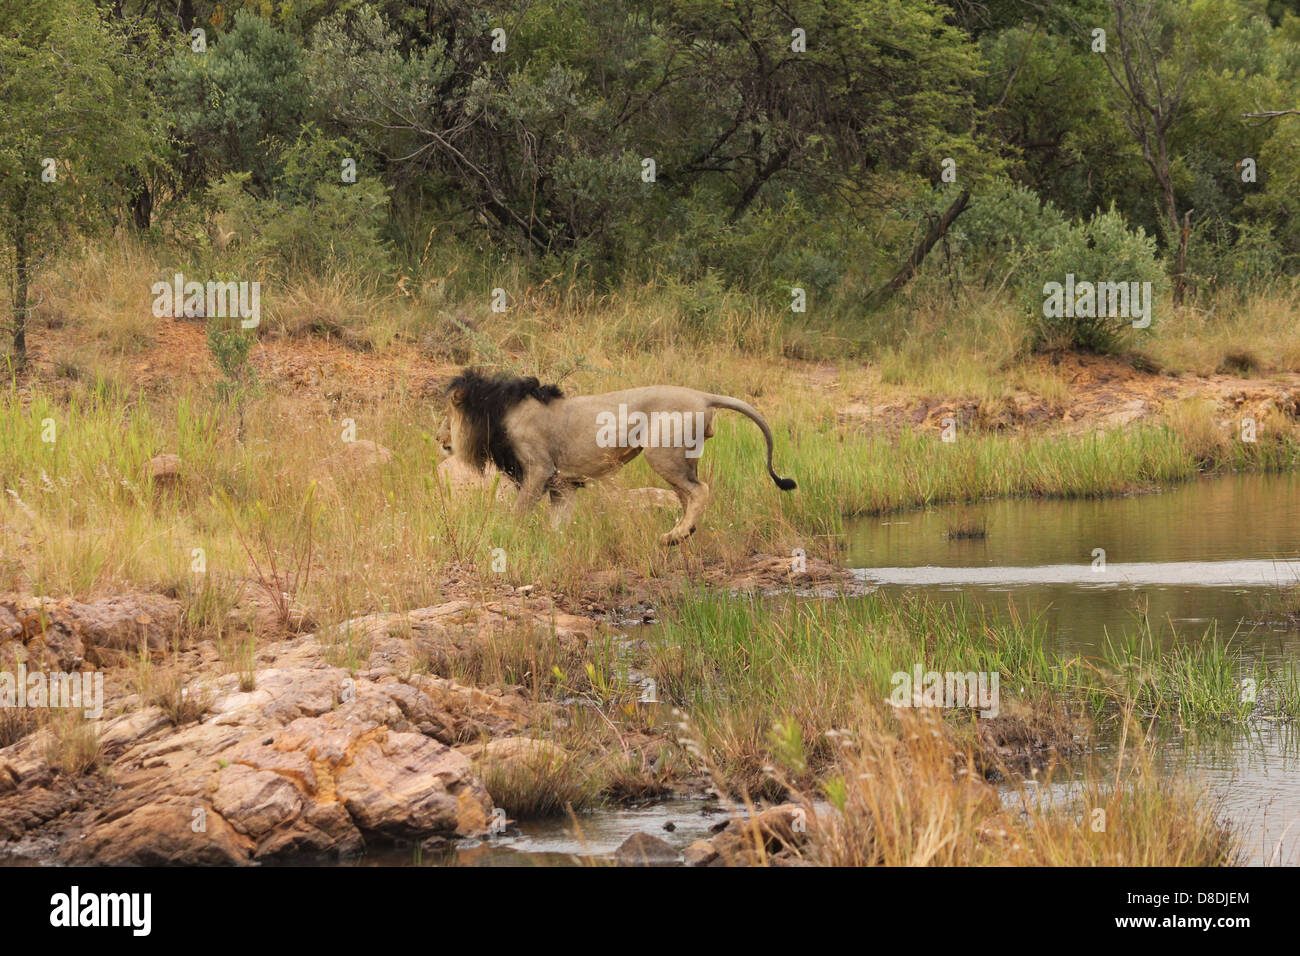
1204 558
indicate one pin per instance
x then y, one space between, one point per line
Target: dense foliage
701 144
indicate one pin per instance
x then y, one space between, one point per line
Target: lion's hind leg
674 467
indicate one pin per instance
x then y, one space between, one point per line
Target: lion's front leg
530 491
561 504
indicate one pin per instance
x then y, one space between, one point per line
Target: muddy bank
1094 392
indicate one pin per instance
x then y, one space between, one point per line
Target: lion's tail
750 412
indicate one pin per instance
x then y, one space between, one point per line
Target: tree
229 105
1159 45
72 120
548 138
827 92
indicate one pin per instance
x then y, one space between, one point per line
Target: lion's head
473 428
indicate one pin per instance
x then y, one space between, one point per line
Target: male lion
547 442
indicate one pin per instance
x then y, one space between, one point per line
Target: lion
549 443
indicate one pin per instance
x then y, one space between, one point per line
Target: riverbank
316 646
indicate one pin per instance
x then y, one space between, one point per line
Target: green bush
1009 237
1104 249
224 104
1004 235
313 221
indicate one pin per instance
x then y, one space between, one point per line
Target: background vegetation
506 145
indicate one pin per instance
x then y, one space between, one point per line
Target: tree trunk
1177 233
938 229
141 204
775 164
1180 263
21 279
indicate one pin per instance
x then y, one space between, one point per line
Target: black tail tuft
785 484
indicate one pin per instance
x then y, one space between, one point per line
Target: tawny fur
547 442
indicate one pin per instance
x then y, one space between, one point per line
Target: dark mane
483 403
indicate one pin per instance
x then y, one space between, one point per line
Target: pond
1204 558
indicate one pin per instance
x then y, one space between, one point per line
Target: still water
1208 557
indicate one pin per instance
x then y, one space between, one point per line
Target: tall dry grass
905 792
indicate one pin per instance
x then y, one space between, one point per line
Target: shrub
313 221
1103 249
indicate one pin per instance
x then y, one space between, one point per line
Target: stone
162 834
163 469
358 455
643 849
255 802
700 853
408 785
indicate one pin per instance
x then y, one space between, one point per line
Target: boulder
358 455
163 469
410 786
65 634
162 834
643 849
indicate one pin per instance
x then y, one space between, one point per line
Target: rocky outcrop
452 633
65 635
314 759
270 609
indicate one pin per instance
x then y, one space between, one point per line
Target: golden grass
905 793
71 741
82 518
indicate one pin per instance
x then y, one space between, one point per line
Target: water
567 841
1208 556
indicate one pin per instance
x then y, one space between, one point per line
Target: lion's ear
457 396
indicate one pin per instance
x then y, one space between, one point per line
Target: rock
9 626
128 621
255 802
162 834
293 766
781 830
700 853
121 732
163 469
409 785
643 849
461 476
357 456
314 759
446 634
67 632
323 829
267 610
764 572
